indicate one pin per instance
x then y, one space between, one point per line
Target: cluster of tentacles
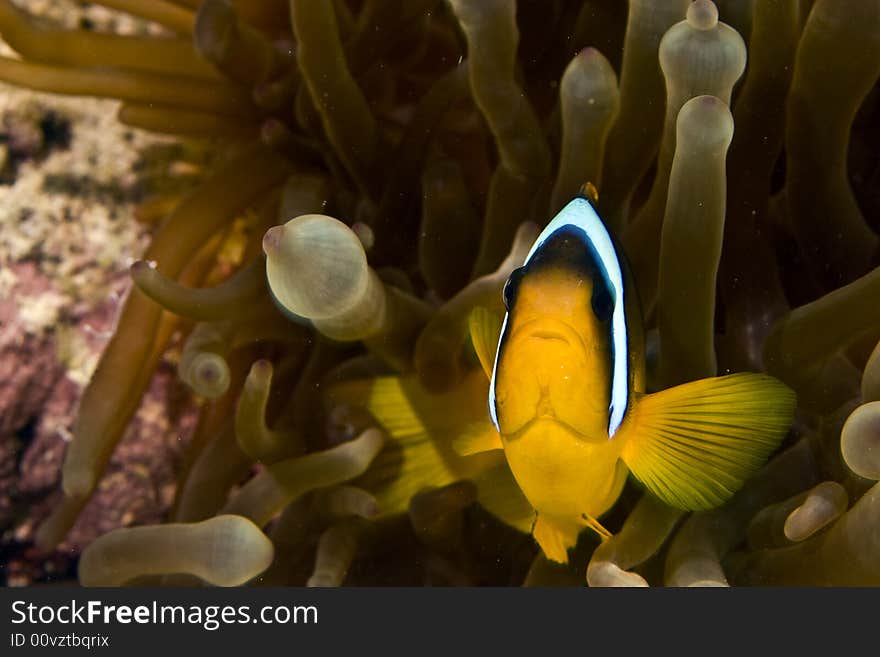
381 165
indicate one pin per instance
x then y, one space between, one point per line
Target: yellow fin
410 461
422 427
477 437
555 539
596 526
499 494
485 330
694 445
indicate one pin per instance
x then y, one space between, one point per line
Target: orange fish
567 405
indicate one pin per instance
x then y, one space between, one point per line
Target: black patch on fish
602 302
569 248
511 287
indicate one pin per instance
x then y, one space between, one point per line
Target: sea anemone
377 168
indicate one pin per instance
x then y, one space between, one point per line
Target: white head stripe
581 215
493 412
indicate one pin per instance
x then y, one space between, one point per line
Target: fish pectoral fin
477 437
499 494
485 330
420 427
694 445
555 538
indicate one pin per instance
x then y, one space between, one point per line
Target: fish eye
511 286
602 302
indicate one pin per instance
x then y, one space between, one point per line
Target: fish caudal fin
694 445
485 329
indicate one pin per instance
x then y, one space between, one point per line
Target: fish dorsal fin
485 329
694 445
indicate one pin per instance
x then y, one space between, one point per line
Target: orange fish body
567 397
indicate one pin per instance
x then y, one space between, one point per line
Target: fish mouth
543 334
550 330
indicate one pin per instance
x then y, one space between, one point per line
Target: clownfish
568 417
567 393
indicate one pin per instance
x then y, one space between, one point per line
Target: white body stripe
581 215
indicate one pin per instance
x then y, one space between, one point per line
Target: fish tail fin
694 445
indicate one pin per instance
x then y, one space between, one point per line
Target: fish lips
549 329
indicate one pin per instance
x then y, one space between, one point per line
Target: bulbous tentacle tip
860 441
76 481
271 130
605 573
702 15
710 102
316 267
261 369
708 583
214 27
210 375
320 581
142 272
141 267
824 504
272 240
364 234
706 120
